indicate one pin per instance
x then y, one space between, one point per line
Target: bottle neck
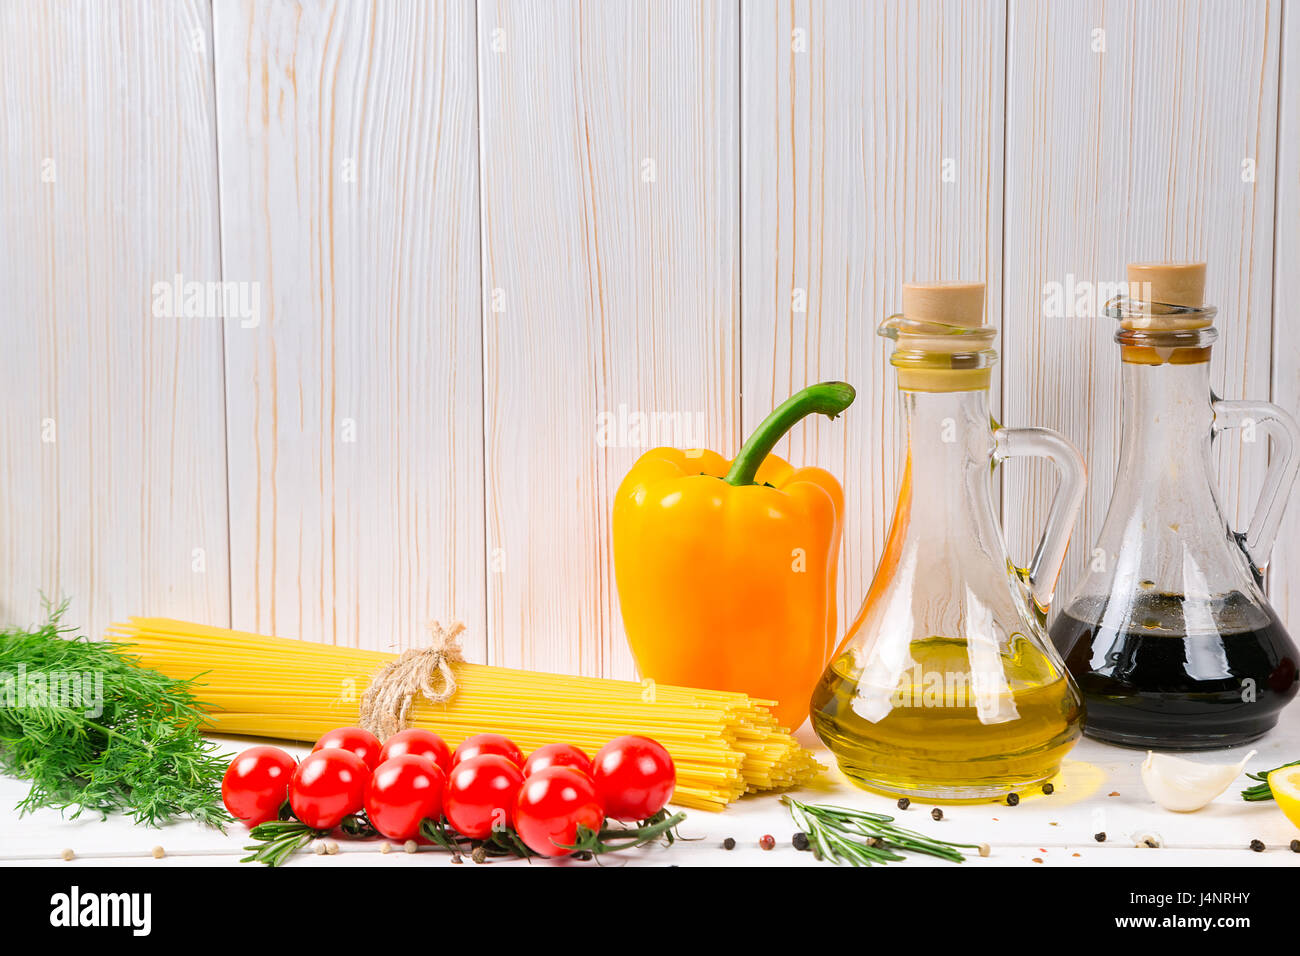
949 450
946 431
1166 417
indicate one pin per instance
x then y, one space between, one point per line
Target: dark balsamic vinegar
1175 673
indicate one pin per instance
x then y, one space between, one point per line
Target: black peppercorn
800 841
729 843
479 855
1048 788
1013 799
1257 846
1099 837
904 803
936 813
1295 846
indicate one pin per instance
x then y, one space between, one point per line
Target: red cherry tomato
488 744
552 804
481 794
327 786
557 755
360 742
403 791
256 784
422 743
635 777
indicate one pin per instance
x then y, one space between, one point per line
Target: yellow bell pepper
726 570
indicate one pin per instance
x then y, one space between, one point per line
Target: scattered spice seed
936 814
1113 793
158 852
800 841
410 846
1074 854
1257 846
67 854
984 849
1048 788
1013 799
331 847
729 843
767 841
1038 859
385 847
457 859
1295 846
904 803
479 855
318 847
1099 837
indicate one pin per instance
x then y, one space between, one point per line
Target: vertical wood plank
112 444
1135 131
1284 575
872 156
609 177
349 197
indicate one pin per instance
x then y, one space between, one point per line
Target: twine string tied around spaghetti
386 704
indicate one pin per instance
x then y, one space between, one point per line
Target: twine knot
386 704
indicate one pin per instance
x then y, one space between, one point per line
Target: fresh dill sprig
860 838
94 731
1261 790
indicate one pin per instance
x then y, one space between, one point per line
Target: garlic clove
1183 785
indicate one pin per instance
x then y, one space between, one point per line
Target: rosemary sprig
278 840
861 838
94 731
1261 790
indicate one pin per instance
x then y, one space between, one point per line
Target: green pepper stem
824 398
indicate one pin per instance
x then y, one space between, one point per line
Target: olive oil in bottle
948 732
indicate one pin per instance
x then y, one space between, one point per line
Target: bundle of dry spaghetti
724 744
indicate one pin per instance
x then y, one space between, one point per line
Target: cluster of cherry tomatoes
482 788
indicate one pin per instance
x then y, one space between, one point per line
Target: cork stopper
943 343
1160 285
951 303
1172 283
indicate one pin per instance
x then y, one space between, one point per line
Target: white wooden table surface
1099 789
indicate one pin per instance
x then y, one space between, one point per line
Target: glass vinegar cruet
946 686
1169 635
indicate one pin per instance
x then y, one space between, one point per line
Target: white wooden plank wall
112 434
1284 579
474 227
349 196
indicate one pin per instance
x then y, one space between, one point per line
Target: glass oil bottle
946 686
1170 636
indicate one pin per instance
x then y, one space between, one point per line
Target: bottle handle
1073 475
1283 465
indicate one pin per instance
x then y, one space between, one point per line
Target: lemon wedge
1285 784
